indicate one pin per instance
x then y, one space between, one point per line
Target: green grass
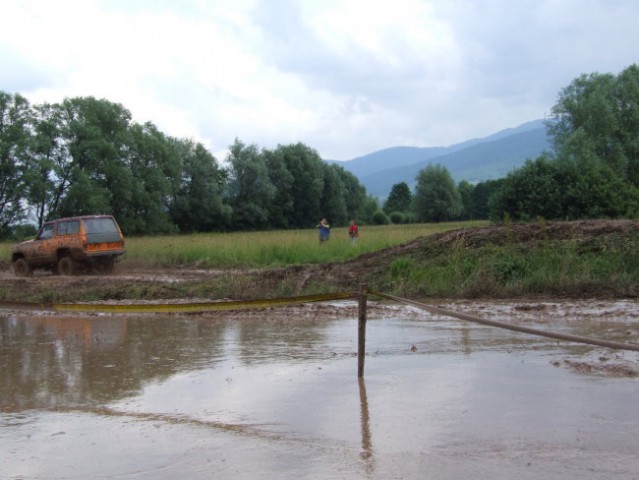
260 249
553 268
272 248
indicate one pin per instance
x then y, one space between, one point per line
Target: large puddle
277 395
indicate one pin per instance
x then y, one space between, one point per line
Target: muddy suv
68 246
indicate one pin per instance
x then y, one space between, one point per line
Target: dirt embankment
187 282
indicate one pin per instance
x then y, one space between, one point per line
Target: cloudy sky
345 77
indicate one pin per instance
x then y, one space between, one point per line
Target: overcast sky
345 77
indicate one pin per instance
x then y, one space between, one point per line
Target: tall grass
553 268
271 248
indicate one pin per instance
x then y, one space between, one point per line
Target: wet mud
274 393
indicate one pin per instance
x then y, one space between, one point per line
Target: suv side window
68 228
46 232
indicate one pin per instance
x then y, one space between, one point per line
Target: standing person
324 231
353 232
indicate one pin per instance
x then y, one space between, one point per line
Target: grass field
271 248
501 262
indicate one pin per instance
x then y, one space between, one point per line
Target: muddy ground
131 284
219 395
130 281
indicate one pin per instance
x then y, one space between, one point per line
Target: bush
397 217
380 218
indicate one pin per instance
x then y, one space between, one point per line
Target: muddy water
277 396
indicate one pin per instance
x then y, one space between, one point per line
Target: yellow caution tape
179 307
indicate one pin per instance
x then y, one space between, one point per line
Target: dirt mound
536 232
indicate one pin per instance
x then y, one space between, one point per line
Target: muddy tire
67 266
21 268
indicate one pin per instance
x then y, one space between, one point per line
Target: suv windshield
46 232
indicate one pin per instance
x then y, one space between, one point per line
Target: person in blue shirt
324 231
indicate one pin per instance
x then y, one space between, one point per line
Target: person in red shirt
353 231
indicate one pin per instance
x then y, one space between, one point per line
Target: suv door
44 251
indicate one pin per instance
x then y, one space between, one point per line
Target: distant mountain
473 160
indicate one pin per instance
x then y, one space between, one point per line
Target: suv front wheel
21 268
67 266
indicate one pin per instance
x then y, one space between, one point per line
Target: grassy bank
510 265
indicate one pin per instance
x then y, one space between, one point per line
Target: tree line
591 172
87 156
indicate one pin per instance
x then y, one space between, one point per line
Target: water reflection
52 360
56 360
49 361
367 442
278 397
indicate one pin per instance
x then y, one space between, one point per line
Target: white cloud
346 77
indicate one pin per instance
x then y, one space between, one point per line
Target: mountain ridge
474 160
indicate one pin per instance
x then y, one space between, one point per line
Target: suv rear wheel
67 266
21 268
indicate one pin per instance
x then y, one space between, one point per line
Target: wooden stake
361 329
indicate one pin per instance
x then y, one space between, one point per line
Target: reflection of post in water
465 339
367 444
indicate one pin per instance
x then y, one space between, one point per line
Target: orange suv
67 246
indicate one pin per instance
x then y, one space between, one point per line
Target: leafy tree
15 135
531 191
154 163
333 200
399 199
281 209
249 188
51 164
436 196
354 194
465 190
343 194
564 190
83 140
307 169
627 100
84 197
197 204
367 210
480 198
596 192
595 122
